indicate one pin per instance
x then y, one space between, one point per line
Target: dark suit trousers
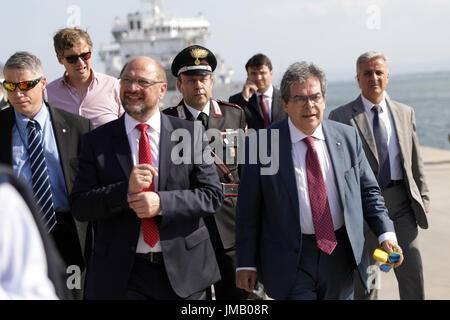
67 242
149 281
410 273
224 289
321 276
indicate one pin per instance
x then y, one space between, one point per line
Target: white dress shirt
393 146
133 135
23 263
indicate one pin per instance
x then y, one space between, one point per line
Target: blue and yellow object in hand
387 260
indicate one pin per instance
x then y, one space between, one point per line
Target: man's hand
246 280
141 177
390 246
145 204
249 89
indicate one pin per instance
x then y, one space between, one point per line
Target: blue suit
268 231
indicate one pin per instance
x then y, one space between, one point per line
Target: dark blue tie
380 134
39 175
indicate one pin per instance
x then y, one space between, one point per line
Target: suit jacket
68 129
55 266
253 113
268 231
226 117
187 192
354 114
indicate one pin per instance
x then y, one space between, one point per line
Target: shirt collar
268 93
368 105
196 112
154 122
297 135
40 117
65 80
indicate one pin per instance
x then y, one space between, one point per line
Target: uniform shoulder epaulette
229 104
171 111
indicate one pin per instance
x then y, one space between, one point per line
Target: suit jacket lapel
62 132
334 142
6 127
286 166
364 126
253 103
398 125
277 108
122 146
165 149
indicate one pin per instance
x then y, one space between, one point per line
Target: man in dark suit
301 227
260 100
151 241
395 160
59 133
195 82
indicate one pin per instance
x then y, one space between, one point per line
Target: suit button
133 249
296 250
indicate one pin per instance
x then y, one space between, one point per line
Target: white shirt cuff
246 268
387 236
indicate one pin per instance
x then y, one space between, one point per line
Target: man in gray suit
388 131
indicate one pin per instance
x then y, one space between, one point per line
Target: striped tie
39 175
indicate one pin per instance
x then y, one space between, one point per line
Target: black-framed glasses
301 101
144 84
22 85
72 59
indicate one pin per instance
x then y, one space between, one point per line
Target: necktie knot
142 127
309 142
203 117
377 109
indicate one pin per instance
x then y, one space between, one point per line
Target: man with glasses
260 100
301 229
388 131
194 67
151 242
3 101
42 143
80 90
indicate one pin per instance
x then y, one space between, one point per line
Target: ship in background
151 33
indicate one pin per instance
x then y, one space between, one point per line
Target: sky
331 33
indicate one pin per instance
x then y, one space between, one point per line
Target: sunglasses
74 58
23 85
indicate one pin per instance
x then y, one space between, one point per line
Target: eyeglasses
72 59
301 101
144 84
23 85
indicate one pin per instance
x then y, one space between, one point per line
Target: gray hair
367 56
300 72
23 60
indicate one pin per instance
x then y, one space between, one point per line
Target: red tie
265 111
149 227
320 208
